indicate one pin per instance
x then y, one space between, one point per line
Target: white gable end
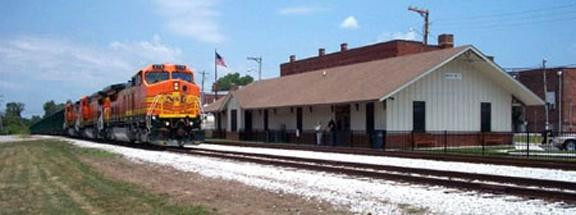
453 95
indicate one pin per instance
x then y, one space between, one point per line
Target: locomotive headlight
191 123
167 123
153 117
176 86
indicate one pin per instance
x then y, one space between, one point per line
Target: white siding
452 105
258 120
283 116
358 117
321 114
233 105
380 116
224 121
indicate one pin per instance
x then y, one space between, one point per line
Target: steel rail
510 161
448 179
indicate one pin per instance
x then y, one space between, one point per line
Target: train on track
160 105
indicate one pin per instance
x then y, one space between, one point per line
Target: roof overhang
219 105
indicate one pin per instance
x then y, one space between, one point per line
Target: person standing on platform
332 129
318 129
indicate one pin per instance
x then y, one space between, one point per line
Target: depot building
404 89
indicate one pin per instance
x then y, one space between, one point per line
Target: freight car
159 105
51 124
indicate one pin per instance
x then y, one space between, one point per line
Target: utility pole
424 14
259 61
546 126
215 85
202 91
560 101
1 116
570 108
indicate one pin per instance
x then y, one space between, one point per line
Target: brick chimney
343 47
321 52
292 58
446 41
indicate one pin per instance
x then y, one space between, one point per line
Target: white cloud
411 34
349 23
300 10
192 18
62 60
36 69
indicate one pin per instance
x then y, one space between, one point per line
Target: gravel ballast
491 169
359 195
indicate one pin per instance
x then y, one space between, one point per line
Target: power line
507 20
522 12
534 67
508 25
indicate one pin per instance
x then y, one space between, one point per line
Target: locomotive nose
181 129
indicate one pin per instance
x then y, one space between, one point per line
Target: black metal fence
545 145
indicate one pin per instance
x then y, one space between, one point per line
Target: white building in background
444 90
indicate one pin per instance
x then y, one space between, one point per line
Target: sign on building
453 76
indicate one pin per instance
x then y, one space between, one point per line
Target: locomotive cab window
137 79
183 76
154 77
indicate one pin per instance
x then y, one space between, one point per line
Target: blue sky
63 49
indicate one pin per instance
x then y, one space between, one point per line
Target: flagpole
215 76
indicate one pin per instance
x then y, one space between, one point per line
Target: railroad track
525 187
529 188
509 161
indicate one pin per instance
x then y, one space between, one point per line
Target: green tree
233 79
33 120
51 107
14 109
12 121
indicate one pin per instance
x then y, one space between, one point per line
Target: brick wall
211 97
351 56
534 80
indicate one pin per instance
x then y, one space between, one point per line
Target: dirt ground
222 196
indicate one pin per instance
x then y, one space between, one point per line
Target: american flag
220 60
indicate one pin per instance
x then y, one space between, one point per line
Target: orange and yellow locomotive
159 105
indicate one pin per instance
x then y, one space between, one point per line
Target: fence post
384 136
413 140
483 143
527 141
351 139
445 141
528 146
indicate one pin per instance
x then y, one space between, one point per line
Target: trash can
377 139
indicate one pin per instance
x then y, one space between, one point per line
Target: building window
551 99
370 117
299 118
266 119
233 120
419 116
248 120
485 117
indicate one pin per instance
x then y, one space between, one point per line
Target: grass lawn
533 139
489 150
48 177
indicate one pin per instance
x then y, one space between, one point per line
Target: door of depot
342 115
